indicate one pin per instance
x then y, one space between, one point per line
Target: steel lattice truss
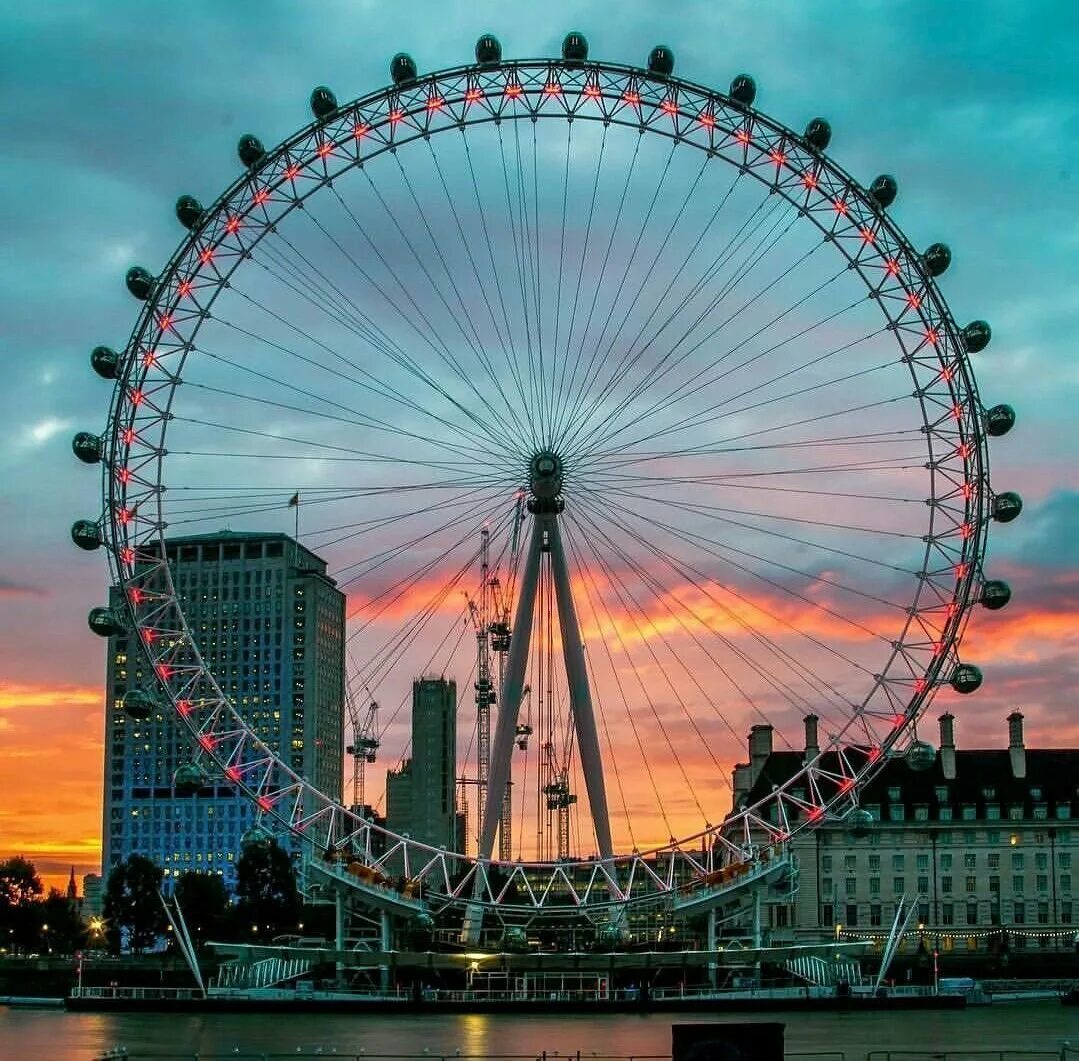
924 653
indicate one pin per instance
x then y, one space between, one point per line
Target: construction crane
363 751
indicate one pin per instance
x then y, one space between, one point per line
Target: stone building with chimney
985 842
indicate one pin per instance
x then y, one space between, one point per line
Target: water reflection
62 1036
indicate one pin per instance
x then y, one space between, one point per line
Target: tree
60 926
203 901
132 904
266 889
20 887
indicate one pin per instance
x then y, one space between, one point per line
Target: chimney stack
741 783
1017 751
760 747
812 745
947 746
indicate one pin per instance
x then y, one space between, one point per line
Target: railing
264 973
1066 1052
145 994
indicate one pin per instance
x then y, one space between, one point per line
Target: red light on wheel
292 172
149 636
707 119
668 106
165 323
185 707
920 685
124 475
592 91
810 180
360 131
265 802
914 300
552 88
127 558
149 359
778 158
892 267
932 336
967 490
207 741
868 235
898 720
164 671
184 288
874 754
473 95
631 98
513 91
206 256
846 784
261 196
840 207
232 773
136 397
127 436
324 149
435 103
815 814
396 116
232 226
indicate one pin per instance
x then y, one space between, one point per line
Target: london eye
602 371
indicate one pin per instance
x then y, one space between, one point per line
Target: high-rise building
269 623
420 794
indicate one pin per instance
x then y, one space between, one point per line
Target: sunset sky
973 106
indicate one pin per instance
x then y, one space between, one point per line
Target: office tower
269 623
420 794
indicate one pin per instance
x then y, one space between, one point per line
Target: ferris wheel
639 367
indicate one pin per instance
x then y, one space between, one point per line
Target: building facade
420 794
270 625
985 843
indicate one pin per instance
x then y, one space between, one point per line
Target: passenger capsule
921 756
1000 420
402 69
488 50
818 134
1007 506
139 704
661 61
104 361
250 150
937 258
966 678
976 336
255 836
139 282
86 534
574 48
743 90
87 447
884 190
323 102
995 594
104 622
859 823
189 211
188 779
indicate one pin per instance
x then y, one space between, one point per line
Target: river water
51 1035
